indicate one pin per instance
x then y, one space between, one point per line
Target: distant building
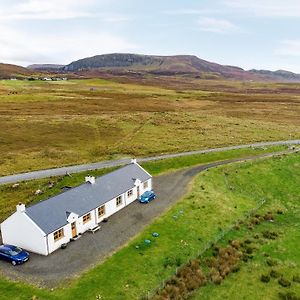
44 227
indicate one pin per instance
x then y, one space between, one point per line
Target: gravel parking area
91 248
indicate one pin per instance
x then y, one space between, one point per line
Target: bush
284 282
265 278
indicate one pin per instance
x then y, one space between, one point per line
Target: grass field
217 199
50 124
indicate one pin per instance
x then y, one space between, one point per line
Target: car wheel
13 263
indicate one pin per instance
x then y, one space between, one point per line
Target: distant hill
160 65
8 71
279 75
45 67
171 65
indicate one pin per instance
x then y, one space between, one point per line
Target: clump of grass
264 278
284 282
271 235
288 296
271 262
187 279
296 278
274 274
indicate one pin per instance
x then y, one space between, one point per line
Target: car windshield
147 194
15 251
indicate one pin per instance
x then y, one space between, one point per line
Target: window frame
130 193
58 234
86 218
119 200
102 207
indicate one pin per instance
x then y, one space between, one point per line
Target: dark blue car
147 196
13 254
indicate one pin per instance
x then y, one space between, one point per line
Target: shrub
284 282
265 278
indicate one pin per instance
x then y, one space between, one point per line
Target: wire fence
150 294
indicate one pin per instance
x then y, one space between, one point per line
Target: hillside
8 71
160 65
120 63
45 67
279 75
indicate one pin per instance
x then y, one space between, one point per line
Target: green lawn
219 197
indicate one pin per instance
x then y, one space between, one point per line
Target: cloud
191 12
267 8
57 10
216 25
62 47
289 48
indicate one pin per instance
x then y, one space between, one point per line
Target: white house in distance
44 227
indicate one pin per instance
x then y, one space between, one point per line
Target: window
101 211
58 234
130 193
145 184
86 218
119 200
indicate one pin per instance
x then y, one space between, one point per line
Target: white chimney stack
90 179
133 161
21 207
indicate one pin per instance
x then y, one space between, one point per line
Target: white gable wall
21 231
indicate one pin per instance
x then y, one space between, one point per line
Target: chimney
133 161
21 207
90 179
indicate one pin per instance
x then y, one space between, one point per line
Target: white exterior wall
149 188
21 231
52 245
80 228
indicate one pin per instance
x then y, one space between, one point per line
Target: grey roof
52 213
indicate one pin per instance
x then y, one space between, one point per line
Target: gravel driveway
91 248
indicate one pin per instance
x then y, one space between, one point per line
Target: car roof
148 193
7 247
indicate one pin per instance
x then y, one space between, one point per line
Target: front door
138 192
74 231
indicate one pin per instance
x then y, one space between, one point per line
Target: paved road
120 162
91 249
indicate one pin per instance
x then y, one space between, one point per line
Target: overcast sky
261 34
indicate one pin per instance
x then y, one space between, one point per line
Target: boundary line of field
120 162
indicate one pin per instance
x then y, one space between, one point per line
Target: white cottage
44 227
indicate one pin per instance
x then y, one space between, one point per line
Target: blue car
147 197
13 254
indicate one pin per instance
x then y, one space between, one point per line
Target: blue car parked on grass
13 254
147 197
